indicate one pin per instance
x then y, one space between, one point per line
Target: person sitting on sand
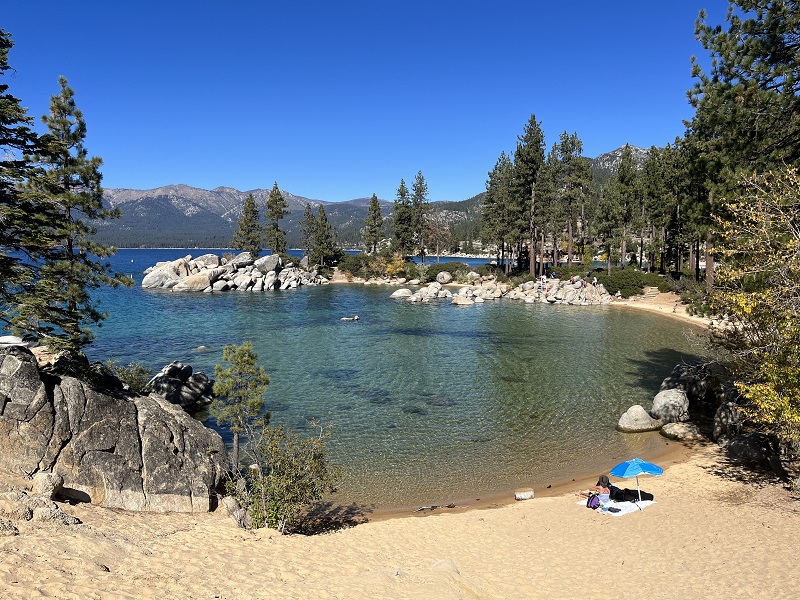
603 489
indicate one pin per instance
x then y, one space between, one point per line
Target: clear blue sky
336 100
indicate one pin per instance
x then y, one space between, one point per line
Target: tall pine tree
60 307
248 234
419 211
25 221
528 160
276 209
373 225
403 240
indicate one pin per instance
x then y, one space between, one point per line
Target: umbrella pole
638 489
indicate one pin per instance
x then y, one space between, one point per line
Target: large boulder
265 264
114 449
636 420
444 277
755 449
240 261
727 422
178 384
671 406
401 293
161 277
199 281
682 432
699 384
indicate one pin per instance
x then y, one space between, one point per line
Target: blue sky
339 100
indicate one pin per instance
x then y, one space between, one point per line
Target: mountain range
181 216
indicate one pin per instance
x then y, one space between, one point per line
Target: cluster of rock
575 291
36 505
109 446
687 384
211 273
691 385
179 384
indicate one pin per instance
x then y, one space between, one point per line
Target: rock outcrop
111 448
210 273
482 288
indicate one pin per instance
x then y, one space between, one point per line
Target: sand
715 531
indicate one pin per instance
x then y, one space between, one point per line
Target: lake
431 403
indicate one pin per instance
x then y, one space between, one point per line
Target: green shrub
631 282
291 473
135 375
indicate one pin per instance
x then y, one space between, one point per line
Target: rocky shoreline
212 273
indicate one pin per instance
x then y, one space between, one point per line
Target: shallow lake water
431 403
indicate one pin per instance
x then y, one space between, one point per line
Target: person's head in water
603 481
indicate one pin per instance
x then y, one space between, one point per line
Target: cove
431 403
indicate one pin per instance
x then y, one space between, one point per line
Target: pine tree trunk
235 453
569 242
532 232
709 255
541 256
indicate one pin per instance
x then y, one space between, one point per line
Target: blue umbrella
635 467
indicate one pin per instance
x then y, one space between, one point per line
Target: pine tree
308 225
239 393
419 211
248 234
528 160
25 221
498 214
403 240
575 183
373 225
276 209
60 306
325 251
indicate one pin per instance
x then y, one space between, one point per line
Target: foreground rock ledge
113 449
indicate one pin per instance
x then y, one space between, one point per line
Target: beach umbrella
633 468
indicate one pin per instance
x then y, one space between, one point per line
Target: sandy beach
713 532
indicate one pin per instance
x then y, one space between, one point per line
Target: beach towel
625 508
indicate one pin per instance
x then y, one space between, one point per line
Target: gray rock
177 384
116 450
401 293
47 484
462 301
444 277
697 382
7 529
636 420
208 261
754 448
164 277
241 261
683 432
671 406
265 264
727 422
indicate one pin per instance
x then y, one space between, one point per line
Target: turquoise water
431 403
